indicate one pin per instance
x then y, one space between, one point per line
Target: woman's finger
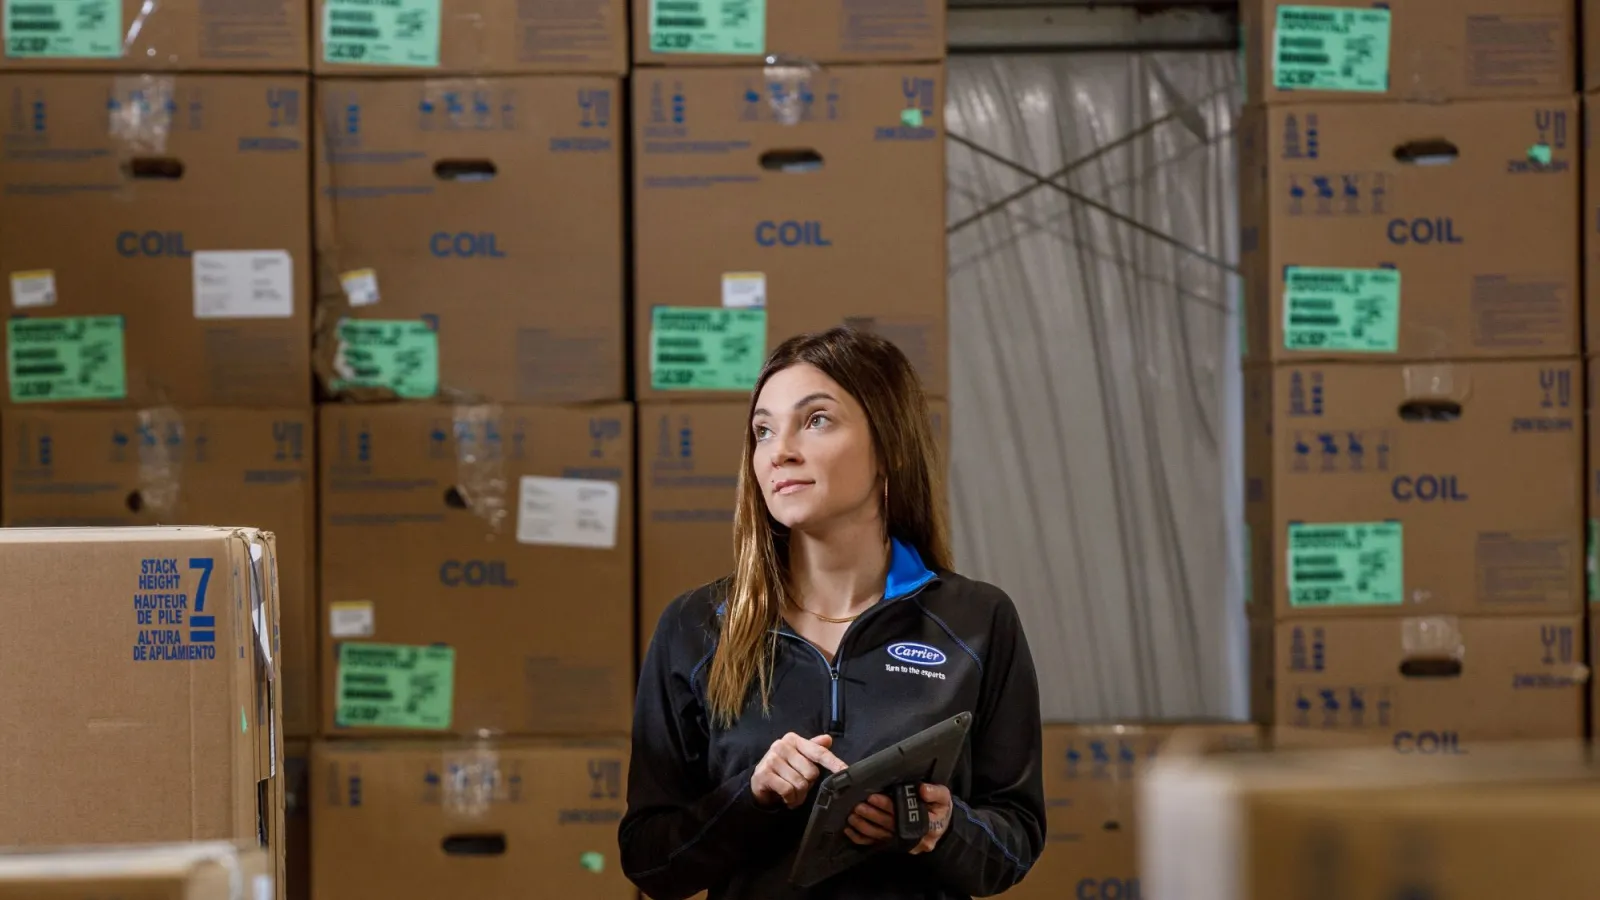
874 815
798 786
799 763
868 829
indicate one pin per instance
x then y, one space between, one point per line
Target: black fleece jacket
938 644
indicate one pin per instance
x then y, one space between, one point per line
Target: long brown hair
881 379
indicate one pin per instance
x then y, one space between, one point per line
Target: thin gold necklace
829 619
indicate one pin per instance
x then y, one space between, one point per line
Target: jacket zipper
835 723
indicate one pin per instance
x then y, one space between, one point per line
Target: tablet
929 757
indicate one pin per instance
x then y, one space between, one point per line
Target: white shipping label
352 619
744 290
567 512
360 287
33 289
243 284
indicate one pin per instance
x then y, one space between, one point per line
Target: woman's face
813 454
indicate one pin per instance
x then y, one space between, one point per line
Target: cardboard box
1308 51
454 543
690 454
1350 824
1592 476
196 467
447 226
168 645
817 199
471 37
484 820
1411 231
699 32
212 870
1091 773
1417 490
1475 844
158 253
1591 46
1591 219
173 35
1434 685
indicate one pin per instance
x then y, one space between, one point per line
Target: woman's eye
761 432
818 420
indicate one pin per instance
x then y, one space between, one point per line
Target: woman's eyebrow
807 400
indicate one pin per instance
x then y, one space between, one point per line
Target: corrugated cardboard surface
1202 829
137 665
1484 245
179 35
90 197
194 467
1590 217
196 871
1091 774
526 296
1469 842
859 240
1480 465
1435 685
505 37
1591 46
425 518
398 819
817 31
1438 50
690 455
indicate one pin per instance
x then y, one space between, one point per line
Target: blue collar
907 573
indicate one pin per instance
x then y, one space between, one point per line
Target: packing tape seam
480 467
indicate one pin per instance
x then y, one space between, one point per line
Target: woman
758 685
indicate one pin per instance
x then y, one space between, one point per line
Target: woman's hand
872 822
792 764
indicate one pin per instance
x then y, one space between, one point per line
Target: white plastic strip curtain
1095 404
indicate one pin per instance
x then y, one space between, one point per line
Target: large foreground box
140 684
1505 821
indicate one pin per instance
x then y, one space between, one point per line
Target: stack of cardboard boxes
156 239
155 236
476 448
788 176
1414 406
431 410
